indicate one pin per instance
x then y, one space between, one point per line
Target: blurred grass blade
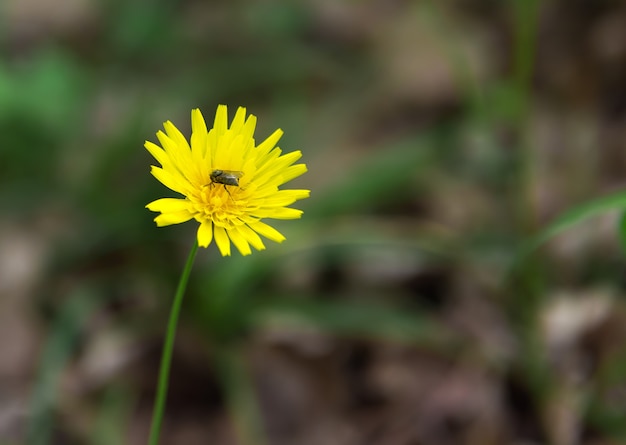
115 411
61 342
240 395
357 319
622 230
380 176
578 214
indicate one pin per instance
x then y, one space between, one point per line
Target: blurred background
439 135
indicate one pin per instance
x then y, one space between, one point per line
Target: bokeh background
439 136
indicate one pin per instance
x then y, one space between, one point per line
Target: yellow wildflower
228 182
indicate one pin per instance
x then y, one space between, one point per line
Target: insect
225 177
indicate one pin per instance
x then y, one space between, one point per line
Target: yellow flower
228 182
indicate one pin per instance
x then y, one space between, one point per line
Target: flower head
228 182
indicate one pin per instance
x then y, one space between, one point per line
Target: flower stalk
168 347
228 184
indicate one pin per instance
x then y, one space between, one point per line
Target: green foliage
576 215
76 109
61 344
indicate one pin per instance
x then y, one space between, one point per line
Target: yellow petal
274 168
240 242
238 120
205 234
169 205
284 198
280 213
285 161
167 219
266 162
220 124
176 136
269 143
267 231
266 176
248 128
251 236
198 136
171 180
157 152
292 172
222 241
179 152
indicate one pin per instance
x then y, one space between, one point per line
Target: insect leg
230 196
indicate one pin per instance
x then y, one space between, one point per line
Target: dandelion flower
229 184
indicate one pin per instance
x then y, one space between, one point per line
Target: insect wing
226 177
232 173
230 177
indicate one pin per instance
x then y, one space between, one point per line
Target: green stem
166 359
525 46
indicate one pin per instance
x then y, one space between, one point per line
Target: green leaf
576 215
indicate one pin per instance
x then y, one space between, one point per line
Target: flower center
219 203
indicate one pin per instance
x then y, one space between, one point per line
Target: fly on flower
226 155
225 177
